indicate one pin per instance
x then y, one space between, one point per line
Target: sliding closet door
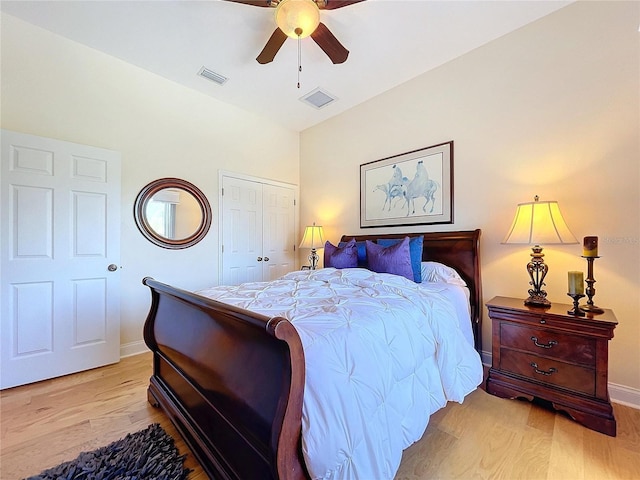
258 230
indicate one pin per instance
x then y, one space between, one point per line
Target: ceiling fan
300 19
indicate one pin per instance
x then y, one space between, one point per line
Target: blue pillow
395 259
362 252
341 257
415 249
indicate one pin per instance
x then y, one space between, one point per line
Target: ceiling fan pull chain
299 58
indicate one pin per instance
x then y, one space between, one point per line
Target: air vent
213 76
318 98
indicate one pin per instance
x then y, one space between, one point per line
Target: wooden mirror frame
150 234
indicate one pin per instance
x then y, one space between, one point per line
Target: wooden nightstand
546 353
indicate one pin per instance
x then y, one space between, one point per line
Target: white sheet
382 353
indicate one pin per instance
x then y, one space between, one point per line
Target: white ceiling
390 42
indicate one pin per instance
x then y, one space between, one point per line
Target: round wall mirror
172 213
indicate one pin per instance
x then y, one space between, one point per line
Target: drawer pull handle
542 345
542 372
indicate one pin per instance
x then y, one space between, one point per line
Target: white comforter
382 354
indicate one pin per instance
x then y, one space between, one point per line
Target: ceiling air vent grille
318 98
213 76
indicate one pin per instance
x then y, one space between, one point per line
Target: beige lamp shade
297 18
313 237
539 223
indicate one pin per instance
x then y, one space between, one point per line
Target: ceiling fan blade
274 43
333 4
254 3
330 44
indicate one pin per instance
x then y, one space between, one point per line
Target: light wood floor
50 422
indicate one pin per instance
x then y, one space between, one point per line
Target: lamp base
313 259
537 301
537 271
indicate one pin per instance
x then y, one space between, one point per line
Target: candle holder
590 290
576 309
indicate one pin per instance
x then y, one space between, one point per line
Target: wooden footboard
230 380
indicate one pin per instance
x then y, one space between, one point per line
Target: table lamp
538 223
313 238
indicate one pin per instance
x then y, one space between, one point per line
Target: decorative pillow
362 252
438 272
415 250
341 257
395 259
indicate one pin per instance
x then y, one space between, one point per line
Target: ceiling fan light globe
293 16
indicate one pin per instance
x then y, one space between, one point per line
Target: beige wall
551 109
57 88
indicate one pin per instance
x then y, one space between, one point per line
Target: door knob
259 259
266 259
112 268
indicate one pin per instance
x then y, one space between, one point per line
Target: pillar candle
590 247
576 283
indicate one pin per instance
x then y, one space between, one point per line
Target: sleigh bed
233 381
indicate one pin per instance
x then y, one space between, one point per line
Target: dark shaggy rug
147 454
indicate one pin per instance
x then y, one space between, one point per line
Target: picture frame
412 188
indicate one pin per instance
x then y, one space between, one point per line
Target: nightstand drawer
550 371
566 347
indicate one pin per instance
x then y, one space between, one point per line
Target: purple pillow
362 252
395 259
341 257
415 249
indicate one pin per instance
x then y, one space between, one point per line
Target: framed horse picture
413 188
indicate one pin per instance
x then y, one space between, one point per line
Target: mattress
382 353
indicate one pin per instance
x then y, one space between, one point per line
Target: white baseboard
618 393
133 348
624 395
486 358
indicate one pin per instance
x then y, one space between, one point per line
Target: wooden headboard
459 250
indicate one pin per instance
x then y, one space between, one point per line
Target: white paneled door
60 257
258 230
278 231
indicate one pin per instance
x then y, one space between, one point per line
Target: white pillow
438 272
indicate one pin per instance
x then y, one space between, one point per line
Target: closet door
278 227
258 230
241 231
